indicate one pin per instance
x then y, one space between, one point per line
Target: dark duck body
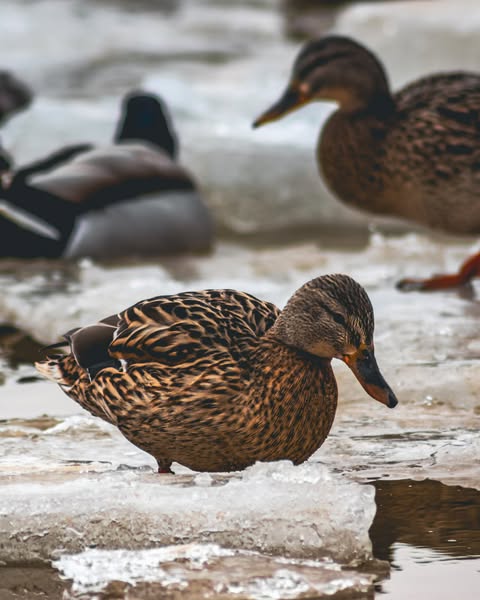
217 379
414 154
128 198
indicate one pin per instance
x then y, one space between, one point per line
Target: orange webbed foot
469 270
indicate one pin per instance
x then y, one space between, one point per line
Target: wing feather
192 325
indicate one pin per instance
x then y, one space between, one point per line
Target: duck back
421 162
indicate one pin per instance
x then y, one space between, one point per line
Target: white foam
223 572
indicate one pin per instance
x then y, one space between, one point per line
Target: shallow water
429 533
280 228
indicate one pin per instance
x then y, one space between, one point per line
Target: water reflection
426 514
426 530
30 582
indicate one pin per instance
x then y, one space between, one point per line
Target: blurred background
218 64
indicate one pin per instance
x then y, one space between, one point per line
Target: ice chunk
432 37
305 511
219 571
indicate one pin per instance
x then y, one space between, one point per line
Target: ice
78 444
93 569
253 575
432 38
305 511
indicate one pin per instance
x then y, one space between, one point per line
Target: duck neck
290 336
350 154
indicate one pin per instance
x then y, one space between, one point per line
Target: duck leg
164 468
469 269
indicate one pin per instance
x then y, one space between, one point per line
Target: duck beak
365 368
296 95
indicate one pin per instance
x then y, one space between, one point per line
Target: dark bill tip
365 368
392 400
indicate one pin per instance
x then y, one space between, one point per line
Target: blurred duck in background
413 154
130 198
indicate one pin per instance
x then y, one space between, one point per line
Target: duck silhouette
128 198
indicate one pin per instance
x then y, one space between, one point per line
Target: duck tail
62 370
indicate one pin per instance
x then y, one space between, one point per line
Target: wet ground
389 507
427 531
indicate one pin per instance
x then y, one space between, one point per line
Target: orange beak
295 96
365 369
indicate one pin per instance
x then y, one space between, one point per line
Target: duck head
332 317
337 69
145 117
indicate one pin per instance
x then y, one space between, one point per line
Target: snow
259 577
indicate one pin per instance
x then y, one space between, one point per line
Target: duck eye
338 318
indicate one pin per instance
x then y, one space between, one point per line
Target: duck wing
112 173
173 330
444 107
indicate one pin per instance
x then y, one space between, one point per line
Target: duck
413 154
129 198
217 379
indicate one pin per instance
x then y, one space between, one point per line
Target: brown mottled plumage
414 154
217 379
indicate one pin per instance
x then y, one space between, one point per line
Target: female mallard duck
216 380
414 154
128 198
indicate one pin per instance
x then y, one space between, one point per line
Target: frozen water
272 507
443 37
92 570
254 576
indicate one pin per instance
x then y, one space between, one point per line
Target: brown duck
414 154
217 379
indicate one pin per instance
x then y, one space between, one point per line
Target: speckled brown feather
422 162
414 154
201 378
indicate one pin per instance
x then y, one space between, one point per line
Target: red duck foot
165 470
469 270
